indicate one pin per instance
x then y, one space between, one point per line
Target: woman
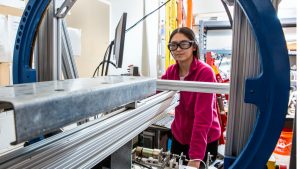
196 127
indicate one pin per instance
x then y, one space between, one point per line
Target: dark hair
190 35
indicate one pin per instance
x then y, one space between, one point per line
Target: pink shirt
196 121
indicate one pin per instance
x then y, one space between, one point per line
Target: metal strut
40 108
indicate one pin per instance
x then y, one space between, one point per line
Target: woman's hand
194 163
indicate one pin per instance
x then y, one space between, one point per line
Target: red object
209 60
284 144
222 117
282 166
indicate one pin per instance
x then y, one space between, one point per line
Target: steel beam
42 107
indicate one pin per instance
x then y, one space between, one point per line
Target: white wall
133 39
133 53
92 18
222 39
7 131
151 37
154 37
219 39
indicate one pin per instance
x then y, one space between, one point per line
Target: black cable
97 68
101 63
104 58
109 54
147 16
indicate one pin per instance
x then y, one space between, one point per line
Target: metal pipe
192 86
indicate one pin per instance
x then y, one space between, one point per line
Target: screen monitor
119 40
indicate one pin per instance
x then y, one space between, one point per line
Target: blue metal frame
22 71
269 92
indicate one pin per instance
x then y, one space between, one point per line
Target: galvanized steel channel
45 106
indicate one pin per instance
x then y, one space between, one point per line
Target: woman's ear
195 47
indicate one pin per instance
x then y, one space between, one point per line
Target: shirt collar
193 66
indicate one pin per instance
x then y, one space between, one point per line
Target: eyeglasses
182 44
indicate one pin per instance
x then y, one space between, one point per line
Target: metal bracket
65 8
132 105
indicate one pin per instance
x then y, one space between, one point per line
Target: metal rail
43 107
191 86
87 146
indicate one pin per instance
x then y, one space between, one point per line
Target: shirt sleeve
203 112
165 76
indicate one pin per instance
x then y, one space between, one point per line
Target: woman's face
182 55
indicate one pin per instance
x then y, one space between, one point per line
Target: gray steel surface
90 143
45 106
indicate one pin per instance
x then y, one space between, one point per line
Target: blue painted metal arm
270 91
31 18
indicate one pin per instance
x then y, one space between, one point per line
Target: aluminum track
89 144
192 86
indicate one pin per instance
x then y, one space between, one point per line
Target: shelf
20 4
12 7
6 10
292 53
221 25
5 74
